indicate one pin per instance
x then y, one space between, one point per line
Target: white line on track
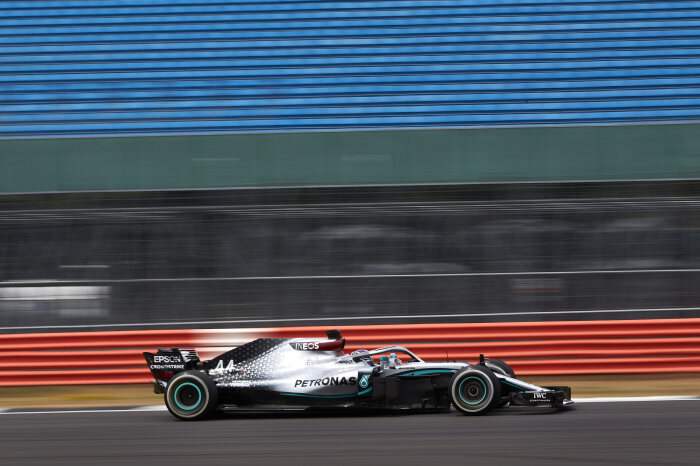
78 411
149 408
611 399
623 399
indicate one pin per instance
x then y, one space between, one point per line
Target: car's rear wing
166 363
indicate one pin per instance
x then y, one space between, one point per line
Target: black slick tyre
191 395
499 366
474 390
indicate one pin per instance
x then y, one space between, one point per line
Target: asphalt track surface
639 433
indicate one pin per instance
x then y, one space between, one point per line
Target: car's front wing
551 397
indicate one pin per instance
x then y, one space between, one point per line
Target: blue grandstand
117 67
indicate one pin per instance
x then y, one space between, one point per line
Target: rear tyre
499 366
474 390
191 395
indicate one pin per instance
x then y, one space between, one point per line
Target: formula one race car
308 373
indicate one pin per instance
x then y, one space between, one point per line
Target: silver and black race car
274 373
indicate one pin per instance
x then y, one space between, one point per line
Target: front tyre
191 395
501 367
474 390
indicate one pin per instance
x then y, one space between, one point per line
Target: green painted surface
348 158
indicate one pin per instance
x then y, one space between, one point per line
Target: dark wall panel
409 252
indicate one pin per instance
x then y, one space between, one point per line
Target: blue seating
108 67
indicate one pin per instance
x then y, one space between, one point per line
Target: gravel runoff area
583 386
